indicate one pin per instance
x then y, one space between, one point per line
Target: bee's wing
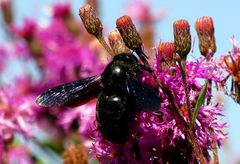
72 93
146 99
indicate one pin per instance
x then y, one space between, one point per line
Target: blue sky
226 24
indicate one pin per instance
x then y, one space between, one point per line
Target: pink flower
16 114
159 136
61 10
64 58
140 11
84 115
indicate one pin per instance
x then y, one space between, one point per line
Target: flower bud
116 42
205 31
90 20
129 32
94 4
166 50
182 37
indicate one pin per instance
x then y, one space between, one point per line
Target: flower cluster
160 136
186 127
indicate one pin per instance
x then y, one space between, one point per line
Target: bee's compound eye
129 58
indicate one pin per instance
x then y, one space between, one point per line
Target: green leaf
199 103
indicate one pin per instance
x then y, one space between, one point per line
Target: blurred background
164 13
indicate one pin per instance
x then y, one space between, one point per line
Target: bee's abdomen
113 116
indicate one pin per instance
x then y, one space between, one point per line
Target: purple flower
83 114
61 10
160 136
140 11
64 56
27 31
16 114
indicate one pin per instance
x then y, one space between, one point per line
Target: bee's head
130 58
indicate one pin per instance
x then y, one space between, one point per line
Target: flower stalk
207 45
182 41
182 65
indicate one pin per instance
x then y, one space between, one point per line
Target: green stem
182 65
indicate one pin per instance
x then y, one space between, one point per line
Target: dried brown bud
205 31
75 155
182 37
116 42
166 50
6 8
129 32
91 21
233 64
94 4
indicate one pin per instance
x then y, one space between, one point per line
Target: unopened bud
166 50
6 8
91 21
182 37
129 32
205 31
94 4
117 44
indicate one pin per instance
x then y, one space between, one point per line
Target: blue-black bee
120 96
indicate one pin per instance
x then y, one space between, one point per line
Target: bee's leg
136 150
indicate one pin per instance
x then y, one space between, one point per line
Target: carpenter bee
120 96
